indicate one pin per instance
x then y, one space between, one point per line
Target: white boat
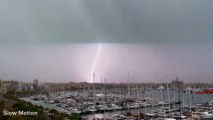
76 111
206 115
178 116
169 119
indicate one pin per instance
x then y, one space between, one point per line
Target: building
3 88
56 87
9 85
35 82
34 86
26 86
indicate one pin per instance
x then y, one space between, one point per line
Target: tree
1 109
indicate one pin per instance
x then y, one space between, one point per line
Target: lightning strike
95 61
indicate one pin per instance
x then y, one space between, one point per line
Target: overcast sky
57 41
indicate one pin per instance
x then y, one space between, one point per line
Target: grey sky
56 40
114 20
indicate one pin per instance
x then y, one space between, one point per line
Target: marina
135 103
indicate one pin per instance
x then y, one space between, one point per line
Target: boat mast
193 95
133 78
178 86
93 90
138 98
151 96
104 93
105 88
174 96
128 85
189 99
168 95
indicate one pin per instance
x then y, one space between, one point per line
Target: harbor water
155 94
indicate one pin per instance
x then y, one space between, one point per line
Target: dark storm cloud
147 21
154 21
44 21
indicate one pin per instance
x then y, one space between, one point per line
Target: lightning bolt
95 61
